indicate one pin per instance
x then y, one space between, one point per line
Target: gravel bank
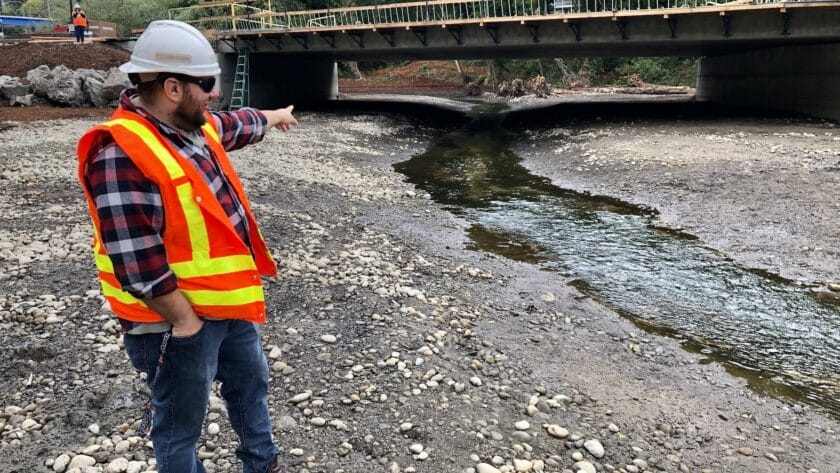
762 191
391 348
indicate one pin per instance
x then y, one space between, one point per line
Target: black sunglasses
205 83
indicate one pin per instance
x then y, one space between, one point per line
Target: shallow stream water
779 337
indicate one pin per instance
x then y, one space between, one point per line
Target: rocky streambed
392 347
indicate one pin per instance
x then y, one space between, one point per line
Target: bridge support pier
802 79
277 81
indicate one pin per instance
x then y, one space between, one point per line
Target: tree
127 14
43 8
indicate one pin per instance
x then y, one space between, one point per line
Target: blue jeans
227 350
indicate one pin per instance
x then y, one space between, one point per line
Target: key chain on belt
146 422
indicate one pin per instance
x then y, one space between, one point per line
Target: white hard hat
76 6
172 46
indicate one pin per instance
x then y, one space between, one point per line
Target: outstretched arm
248 125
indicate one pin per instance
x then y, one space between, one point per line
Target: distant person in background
80 23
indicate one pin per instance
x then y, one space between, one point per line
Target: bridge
776 54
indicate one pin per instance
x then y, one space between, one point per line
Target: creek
779 337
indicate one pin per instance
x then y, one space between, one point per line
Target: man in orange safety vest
178 251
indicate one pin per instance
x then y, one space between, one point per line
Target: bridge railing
236 16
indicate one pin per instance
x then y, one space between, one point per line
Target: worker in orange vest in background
80 23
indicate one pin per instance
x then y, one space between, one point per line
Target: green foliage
601 71
40 8
127 14
665 71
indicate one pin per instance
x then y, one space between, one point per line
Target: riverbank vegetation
565 73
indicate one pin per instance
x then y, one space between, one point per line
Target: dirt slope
16 59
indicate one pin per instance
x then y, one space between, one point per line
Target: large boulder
40 79
85 74
93 88
115 83
91 85
105 91
11 87
60 85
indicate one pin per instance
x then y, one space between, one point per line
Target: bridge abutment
802 79
277 81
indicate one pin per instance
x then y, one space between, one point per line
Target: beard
189 115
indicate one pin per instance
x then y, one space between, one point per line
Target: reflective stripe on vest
223 286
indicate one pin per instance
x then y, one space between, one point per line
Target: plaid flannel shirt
130 207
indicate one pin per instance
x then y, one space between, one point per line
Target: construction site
612 280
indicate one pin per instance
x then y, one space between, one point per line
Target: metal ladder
240 96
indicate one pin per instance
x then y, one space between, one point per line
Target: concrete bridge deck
778 54
426 31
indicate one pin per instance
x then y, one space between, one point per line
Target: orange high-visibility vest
79 19
215 269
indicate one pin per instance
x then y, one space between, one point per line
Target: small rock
287 423
328 338
485 468
298 398
118 465
556 431
522 465
135 467
746 451
122 447
213 428
28 424
594 447
61 463
82 462
522 425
